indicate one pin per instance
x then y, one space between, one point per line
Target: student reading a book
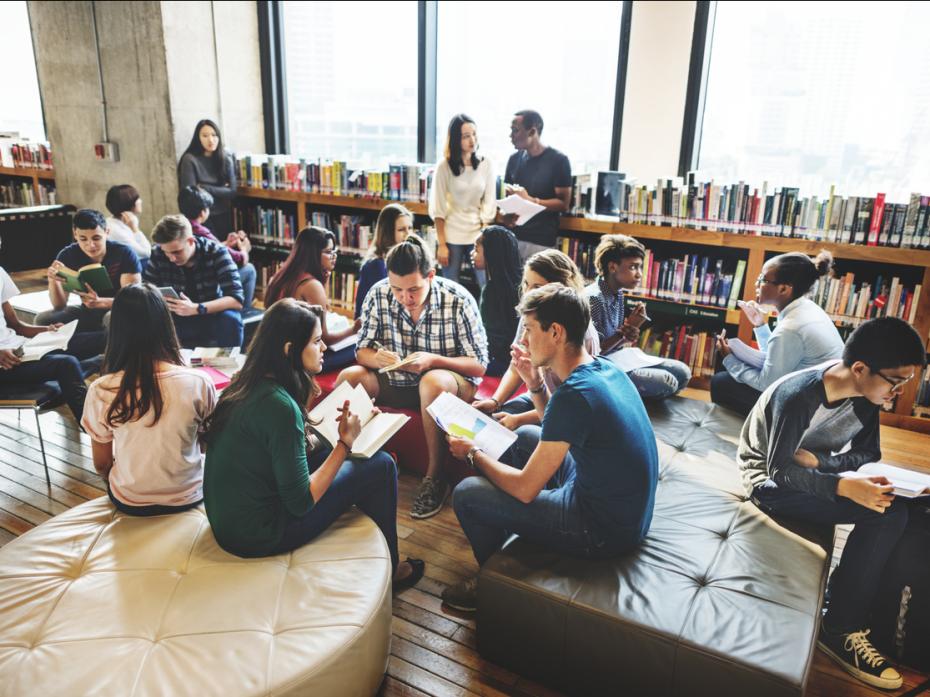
145 412
121 268
548 266
584 485
495 252
540 174
204 278
196 203
206 164
269 486
125 206
462 198
56 366
792 450
394 223
619 262
305 276
804 335
433 326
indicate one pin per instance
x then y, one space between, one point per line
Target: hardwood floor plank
13 524
20 509
394 688
439 665
415 676
432 604
424 618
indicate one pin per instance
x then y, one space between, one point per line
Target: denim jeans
856 578
727 392
88 320
457 254
661 380
369 484
219 329
247 275
553 519
55 367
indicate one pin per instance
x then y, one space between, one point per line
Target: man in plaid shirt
206 311
434 325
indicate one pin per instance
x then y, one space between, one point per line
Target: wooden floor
433 649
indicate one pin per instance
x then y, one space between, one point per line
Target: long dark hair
454 144
196 149
288 320
304 258
384 229
502 261
141 334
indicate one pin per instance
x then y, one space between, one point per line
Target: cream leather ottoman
94 602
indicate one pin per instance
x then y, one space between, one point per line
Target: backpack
901 609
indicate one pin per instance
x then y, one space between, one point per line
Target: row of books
17 194
851 303
268 225
18 152
697 350
265 271
399 182
741 208
353 232
922 401
341 289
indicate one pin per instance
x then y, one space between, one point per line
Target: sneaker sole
868 678
460 608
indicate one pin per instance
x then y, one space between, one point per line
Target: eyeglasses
331 252
762 280
897 386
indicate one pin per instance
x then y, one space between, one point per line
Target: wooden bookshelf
36 176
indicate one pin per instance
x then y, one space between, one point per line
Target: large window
20 105
811 94
495 58
352 80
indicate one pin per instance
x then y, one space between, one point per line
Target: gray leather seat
719 600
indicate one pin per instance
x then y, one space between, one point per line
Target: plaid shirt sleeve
372 310
227 275
470 330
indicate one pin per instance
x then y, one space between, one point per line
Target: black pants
729 393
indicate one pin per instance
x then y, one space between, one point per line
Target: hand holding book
349 425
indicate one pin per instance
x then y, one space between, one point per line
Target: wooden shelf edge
28 172
374 204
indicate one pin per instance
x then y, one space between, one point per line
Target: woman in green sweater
263 495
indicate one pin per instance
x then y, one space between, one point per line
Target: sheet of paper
632 359
522 207
457 418
747 354
907 483
40 344
350 340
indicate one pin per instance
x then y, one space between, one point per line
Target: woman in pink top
144 414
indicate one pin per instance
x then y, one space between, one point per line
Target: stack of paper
462 420
522 207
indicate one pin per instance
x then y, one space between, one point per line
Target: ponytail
800 271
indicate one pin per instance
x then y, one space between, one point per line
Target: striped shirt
212 275
450 326
607 310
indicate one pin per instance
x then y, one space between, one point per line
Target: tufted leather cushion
719 600
93 602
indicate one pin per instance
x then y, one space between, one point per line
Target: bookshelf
39 179
754 247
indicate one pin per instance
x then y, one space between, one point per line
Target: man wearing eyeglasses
792 453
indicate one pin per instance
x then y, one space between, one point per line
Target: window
352 80
560 59
20 105
813 94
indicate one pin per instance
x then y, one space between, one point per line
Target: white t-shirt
122 233
8 290
467 202
158 464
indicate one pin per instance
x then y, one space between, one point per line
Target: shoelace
859 642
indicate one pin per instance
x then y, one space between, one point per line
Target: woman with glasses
304 276
804 335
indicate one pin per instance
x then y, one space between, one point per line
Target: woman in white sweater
125 206
462 198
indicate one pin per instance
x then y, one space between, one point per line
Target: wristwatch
470 457
201 309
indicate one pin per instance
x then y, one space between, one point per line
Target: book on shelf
377 427
696 349
849 302
21 194
266 224
93 275
16 152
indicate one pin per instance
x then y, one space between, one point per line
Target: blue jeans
553 519
662 380
457 254
219 329
247 276
369 484
727 392
338 359
52 367
855 580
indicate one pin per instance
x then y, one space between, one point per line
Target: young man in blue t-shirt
596 451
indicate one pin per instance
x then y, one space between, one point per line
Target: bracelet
497 403
345 445
539 389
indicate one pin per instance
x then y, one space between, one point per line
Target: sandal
417 569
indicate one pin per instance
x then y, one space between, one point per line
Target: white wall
656 85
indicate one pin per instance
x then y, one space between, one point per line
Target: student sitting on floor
305 276
434 324
125 206
91 246
584 486
804 335
265 491
792 451
496 253
195 203
394 223
548 266
204 276
619 261
144 414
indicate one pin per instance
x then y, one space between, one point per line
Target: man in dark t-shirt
540 174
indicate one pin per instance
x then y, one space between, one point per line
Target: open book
462 420
633 358
907 483
377 429
40 344
404 361
94 275
215 357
